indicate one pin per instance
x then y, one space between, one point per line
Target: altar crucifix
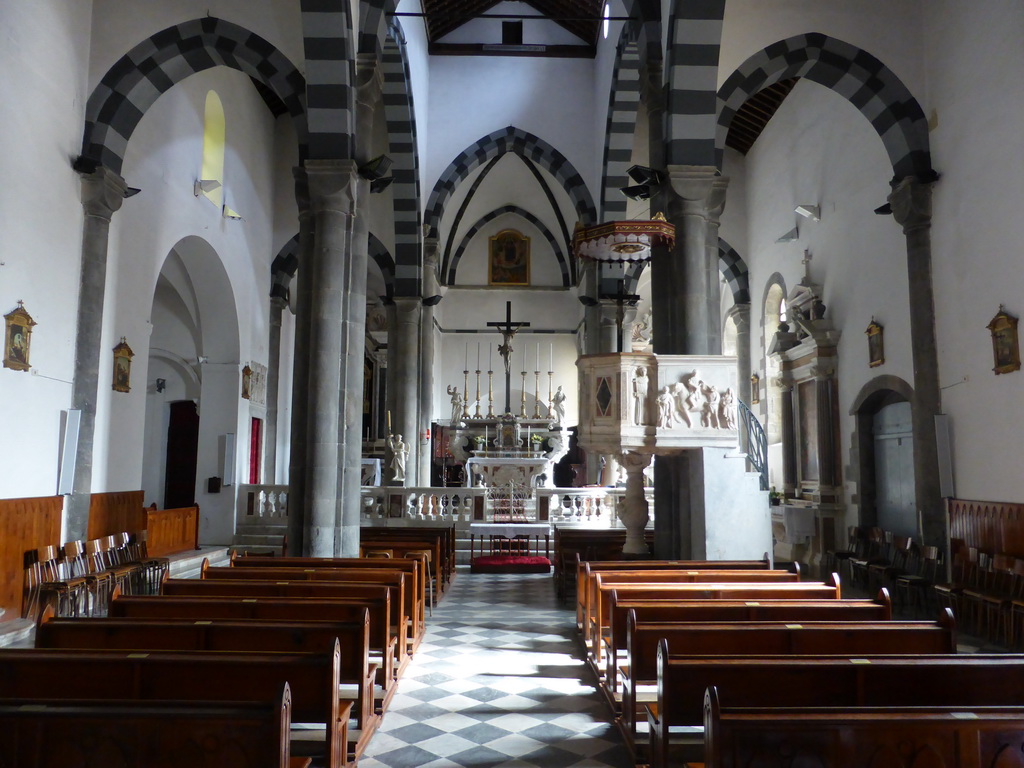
507 328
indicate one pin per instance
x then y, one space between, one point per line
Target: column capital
332 186
911 202
102 192
700 189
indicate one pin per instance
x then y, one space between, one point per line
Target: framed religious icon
246 383
1005 348
876 348
123 367
755 389
18 338
508 258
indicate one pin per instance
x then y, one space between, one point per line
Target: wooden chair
835 558
913 588
984 602
949 594
97 585
97 556
883 574
874 550
153 568
56 579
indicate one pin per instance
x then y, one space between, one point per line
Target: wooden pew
638 677
402 601
45 732
720 611
195 677
441 540
276 602
415 568
584 569
969 680
856 737
573 544
597 606
356 674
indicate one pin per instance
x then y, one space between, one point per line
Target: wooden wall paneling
114 512
992 527
25 524
172 530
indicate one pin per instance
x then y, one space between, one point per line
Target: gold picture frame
123 367
18 338
246 382
508 258
876 346
755 389
1005 346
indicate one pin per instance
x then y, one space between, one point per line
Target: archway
194 353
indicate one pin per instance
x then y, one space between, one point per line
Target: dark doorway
255 451
182 451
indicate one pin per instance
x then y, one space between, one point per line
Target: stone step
261 530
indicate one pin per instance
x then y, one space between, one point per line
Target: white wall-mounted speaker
228 470
71 421
944 448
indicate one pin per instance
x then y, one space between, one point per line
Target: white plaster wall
118 26
470 97
43 59
975 60
818 149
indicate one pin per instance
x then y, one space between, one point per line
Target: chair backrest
74 556
94 555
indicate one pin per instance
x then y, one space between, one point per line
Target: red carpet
509 564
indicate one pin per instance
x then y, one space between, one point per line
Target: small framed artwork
246 383
508 261
876 346
123 366
18 338
1005 349
755 389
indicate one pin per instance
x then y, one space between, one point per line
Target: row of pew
271 661
733 663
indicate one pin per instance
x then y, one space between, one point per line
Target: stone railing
262 505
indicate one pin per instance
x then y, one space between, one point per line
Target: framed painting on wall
508 258
18 338
876 346
123 366
1005 348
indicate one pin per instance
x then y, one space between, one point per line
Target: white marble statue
399 453
666 408
640 384
727 410
558 404
458 404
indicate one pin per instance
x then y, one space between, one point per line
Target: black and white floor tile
498 681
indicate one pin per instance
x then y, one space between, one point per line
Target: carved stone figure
399 453
458 404
640 384
727 410
558 404
666 406
709 410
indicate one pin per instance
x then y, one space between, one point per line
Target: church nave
498 681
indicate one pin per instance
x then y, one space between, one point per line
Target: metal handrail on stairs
755 442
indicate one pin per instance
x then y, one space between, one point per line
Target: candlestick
465 388
389 421
487 434
551 404
536 392
522 404
477 414
490 394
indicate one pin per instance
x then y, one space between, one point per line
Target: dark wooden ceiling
580 17
755 113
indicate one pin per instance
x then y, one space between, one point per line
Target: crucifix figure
508 330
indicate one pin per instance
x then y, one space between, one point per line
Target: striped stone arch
400 116
137 79
694 37
856 75
730 264
623 103
516 140
282 269
645 26
734 270
556 248
374 25
330 62
382 258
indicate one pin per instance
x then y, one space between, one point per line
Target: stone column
102 194
712 273
333 350
298 513
431 292
277 305
911 202
789 476
404 319
740 314
634 513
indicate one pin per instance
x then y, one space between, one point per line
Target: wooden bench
720 611
356 674
440 539
196 677
969 680
573 544
638 676
584 569
862 736
284 601
428 550
402 601
46 732
734 585
414 568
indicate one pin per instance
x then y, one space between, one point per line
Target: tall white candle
537 348
478 355
490 356
551 357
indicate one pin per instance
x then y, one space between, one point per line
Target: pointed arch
523 143
330 60
734 270
380 256
623 103
137 79
516 210
400 116
854 74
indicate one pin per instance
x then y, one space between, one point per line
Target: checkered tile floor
498 681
